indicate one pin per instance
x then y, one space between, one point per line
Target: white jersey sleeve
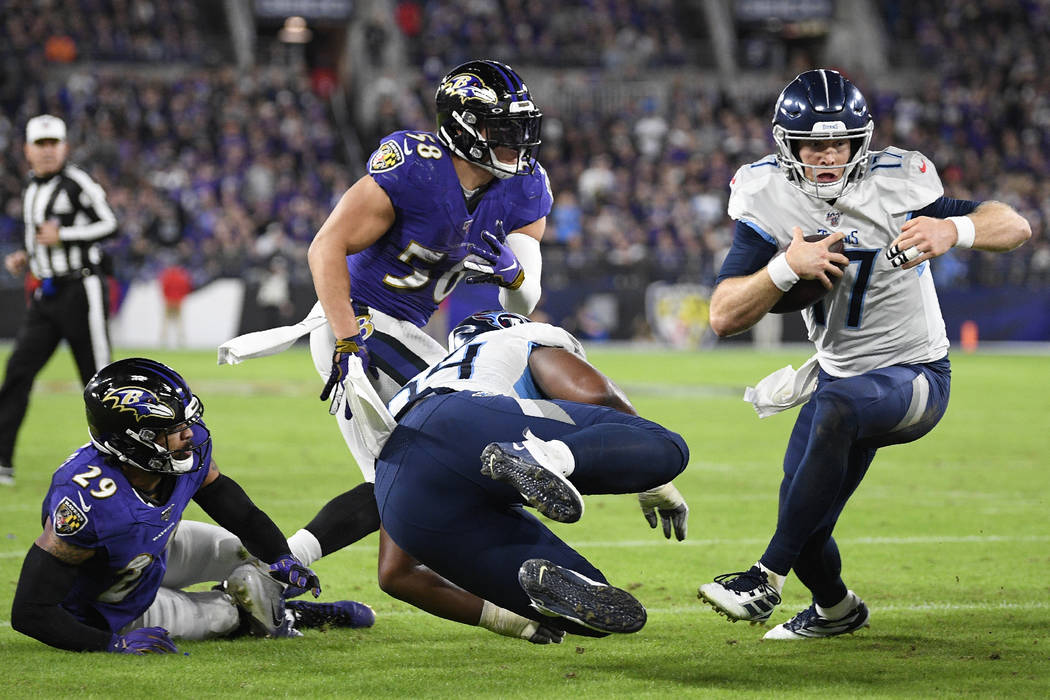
877 315
496 362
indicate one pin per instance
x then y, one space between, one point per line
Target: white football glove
510 624
671 507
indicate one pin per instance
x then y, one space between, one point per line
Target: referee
66 217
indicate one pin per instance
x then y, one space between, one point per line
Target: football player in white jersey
881 374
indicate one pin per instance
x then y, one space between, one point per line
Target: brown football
805 293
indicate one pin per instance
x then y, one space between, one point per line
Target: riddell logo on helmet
138 402
469 88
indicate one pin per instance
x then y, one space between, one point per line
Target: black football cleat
561 592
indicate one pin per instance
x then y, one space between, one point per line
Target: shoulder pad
906 180
748 181
548 336
406 161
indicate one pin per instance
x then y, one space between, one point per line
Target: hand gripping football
805 293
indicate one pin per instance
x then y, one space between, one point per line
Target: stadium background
224 133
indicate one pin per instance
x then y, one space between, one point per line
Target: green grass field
947 540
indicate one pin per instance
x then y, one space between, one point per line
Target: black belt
74 276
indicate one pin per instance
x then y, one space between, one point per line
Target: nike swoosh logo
518 445
922 168
539 576
83 505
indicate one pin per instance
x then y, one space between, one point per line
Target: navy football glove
287 569
498 263
146 640
671 507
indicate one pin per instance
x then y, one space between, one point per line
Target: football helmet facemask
135 406
482 322
484 105
820 105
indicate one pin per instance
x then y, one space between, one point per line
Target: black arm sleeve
943 207
43 584
227 504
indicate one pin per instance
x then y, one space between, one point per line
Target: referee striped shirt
79 205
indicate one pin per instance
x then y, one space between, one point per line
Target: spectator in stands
175 285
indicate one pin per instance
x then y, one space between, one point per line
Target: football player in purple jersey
468 200
99 577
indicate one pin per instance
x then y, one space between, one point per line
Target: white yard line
628 544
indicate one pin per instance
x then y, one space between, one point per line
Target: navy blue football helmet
817 105
482 105
482 322
133 405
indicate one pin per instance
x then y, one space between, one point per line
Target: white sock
776 580
305 547
839 609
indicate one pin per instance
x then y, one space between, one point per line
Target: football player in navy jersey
466 201
881 374
99 577
515 415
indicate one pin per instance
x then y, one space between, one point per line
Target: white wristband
781 273
505 622
967 231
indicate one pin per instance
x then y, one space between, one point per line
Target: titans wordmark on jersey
877 315
419 260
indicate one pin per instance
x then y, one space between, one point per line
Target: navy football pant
437 506
832 444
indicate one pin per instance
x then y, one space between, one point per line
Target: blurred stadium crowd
222 169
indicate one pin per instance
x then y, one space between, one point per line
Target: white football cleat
744 595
